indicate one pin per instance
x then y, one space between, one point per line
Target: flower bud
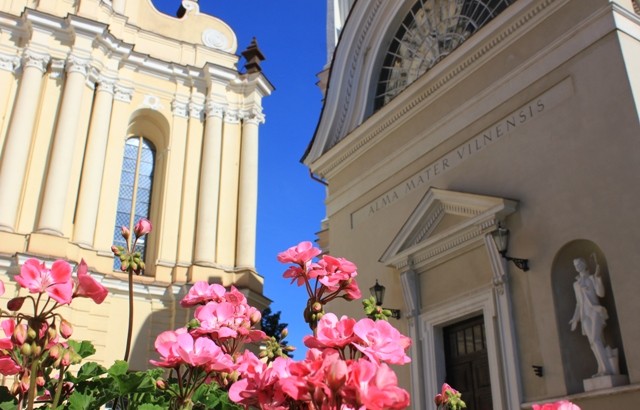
143 227
66 359
31 334
19 334
316 307
161 384
26 350
15 304
66 330
35 349
54 351
124 231
284 333
255 317
115 250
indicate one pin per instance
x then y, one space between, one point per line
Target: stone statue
592 316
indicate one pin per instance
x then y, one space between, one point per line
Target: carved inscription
477 143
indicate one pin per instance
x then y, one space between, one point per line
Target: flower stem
130 330
32 385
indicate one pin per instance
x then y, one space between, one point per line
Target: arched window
136 181
429 32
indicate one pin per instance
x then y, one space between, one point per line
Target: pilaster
18 140
55 192
94 161
209 186
248 190
229 178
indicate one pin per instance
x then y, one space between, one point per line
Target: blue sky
291 35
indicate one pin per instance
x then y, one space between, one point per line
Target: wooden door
467 362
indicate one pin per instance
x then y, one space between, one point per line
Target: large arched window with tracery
430 31
136 182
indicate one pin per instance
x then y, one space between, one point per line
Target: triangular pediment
445 222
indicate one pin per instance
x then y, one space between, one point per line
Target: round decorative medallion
215 39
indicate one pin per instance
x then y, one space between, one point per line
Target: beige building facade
111 111
446 122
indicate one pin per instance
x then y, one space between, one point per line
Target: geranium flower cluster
34 345
205 349
325 279
346 367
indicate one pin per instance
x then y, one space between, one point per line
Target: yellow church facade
111 111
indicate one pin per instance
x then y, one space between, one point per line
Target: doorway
467 362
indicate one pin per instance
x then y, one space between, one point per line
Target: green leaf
84 348
78 401
148 406
119 368
7 400
88 371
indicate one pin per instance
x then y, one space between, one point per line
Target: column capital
37 60
180 108
76 64
195 109
9 62
104 84
214 109
252 116
232 116
123 93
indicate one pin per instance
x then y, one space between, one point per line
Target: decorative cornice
353 68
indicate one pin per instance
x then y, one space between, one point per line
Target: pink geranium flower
332 332
166 344
56 282
380 341
88 287
142 228
202 352
375 387
299 254
201 292
559 405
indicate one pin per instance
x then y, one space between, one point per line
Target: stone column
229 179
57 185
248 191
93 166
18 141
8 67
209 188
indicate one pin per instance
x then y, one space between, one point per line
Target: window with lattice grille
136 182
429 32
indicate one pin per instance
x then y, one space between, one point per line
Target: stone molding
419 245
399 112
